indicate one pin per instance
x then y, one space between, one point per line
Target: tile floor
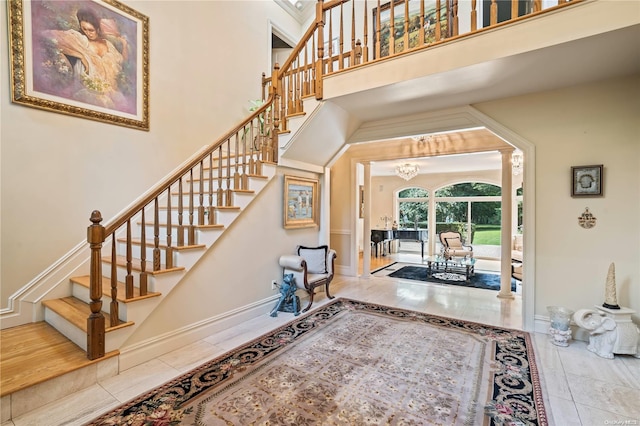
582 389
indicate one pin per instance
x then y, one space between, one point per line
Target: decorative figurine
602 331
610 297
288 301
610 326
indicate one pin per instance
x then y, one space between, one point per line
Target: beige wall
582 125
206 60
238 271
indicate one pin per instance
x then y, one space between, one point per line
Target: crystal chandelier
407 171
516 163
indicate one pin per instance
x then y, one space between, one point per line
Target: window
413 208
474 209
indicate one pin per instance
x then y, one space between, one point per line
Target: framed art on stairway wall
300 202
86 58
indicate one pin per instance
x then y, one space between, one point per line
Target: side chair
311 267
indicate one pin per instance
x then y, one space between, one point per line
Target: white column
506 225
366 237
432 223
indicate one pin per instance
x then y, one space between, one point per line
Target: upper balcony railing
350 33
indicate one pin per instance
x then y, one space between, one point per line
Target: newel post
320 59
95 322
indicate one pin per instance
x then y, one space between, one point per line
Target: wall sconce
516 163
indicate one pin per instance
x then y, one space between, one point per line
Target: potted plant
264 130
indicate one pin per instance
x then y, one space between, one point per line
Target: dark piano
419 235
380 237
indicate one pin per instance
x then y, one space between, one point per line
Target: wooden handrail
176 175
241 151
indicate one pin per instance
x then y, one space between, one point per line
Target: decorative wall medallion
587 220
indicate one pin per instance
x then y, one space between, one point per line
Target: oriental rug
356 363
480 279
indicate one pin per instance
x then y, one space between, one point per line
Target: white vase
559 330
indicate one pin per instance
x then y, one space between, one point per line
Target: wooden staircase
66 317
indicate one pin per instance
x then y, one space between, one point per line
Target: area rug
485 280
351 362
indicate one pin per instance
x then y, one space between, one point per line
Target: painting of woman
86 58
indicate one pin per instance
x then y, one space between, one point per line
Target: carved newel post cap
610 297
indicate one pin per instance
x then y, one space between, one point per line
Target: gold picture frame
300 202
86 58
429 22
586 181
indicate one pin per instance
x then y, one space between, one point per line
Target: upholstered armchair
516 248
311 267
516 271
454 246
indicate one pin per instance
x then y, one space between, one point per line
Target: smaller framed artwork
300 202
361 202
586 181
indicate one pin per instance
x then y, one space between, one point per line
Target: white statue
602 331
607 336
610 295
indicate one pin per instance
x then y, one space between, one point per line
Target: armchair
311 267
454 246
516 271
516 248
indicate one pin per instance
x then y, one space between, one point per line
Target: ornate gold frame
300 202
22 70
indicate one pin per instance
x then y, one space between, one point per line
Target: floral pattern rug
356 363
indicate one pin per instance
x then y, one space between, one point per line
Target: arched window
473 208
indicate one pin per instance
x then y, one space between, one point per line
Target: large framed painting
300 202
399 12
86 58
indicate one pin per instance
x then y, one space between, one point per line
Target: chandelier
407 171
516 163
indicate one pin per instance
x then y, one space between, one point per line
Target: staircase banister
333 3
297 49
120 220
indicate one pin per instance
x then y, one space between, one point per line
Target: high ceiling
302 10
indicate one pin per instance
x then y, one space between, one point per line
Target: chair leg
326 287
311 293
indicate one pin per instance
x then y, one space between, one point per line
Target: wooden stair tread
225 157
136 265
206 179
138 241
122 290
76 312
34 353
175 225
206 193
